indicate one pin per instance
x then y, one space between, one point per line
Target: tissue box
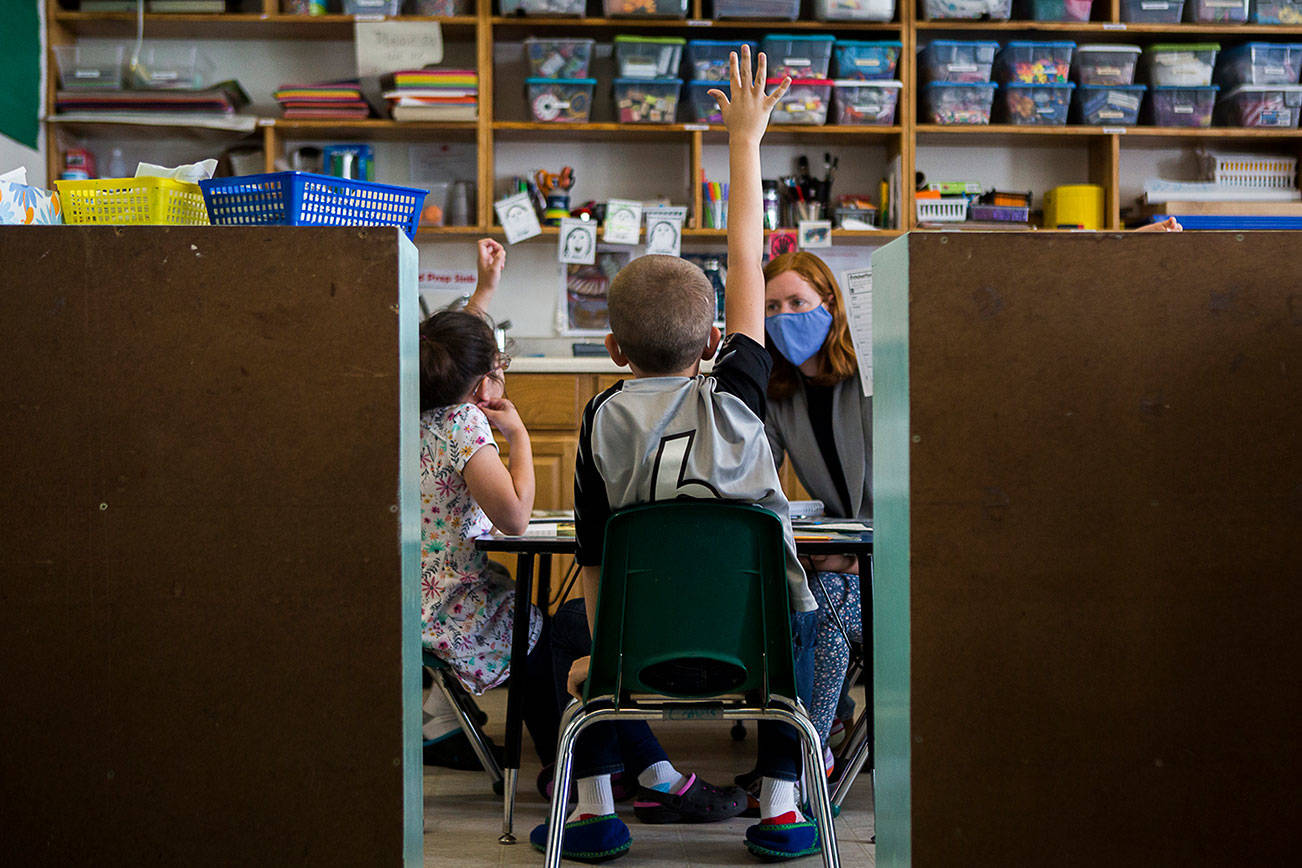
24 205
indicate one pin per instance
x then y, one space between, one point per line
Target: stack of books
333 100
224 98
432 94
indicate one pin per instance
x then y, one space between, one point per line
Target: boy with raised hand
673 432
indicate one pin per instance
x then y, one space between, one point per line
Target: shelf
1107 28
524 25
614 131
428 232
1091 132
551 232
236 25
372 128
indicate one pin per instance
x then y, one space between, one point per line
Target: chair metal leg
818 797
508 806
857 750
573 722
468 725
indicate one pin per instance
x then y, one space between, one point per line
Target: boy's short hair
661 309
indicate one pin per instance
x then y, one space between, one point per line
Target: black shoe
455 752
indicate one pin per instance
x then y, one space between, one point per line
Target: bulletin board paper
388 46
858 287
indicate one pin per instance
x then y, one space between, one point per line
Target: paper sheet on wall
389 46
858 286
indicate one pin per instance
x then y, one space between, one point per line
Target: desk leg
515 693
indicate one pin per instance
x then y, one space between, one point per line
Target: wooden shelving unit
1105 146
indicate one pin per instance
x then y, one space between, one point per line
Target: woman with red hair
819 418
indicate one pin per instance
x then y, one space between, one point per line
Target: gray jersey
660 438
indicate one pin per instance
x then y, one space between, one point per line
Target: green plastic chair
714 574
467 712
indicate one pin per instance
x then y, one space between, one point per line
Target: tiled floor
463 818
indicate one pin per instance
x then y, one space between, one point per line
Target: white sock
777 798
660 776
440 720
594 797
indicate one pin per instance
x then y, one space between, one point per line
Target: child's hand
1170 224
503 416
578 675
746 113
492 259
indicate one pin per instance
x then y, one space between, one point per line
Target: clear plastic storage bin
799 56
954 61
1181 106
1035 62
547 8
1260 105
854 10
560 100
170 65
805 103
558 58
1259 63
707 59
701 107
648 56
372 7
995 10
1040 104
1216 11
865 103
645 8
647 101
1188 65
90 67
1276 12
1109 105
1105 64
957 102
773 9
1055 10
1151 11
871 61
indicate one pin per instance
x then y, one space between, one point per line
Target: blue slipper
777 842
596 839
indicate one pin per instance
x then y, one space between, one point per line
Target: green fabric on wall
20 70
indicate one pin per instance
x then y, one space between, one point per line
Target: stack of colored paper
224 98
337 99
432 94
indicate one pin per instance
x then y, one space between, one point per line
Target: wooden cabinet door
549 401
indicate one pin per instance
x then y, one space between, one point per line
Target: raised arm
491 261
746 115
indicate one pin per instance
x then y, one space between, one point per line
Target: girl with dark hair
466 489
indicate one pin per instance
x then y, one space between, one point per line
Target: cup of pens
715 204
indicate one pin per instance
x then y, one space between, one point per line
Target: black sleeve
591 506
742 368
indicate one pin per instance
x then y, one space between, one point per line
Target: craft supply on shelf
865 102
543 8
995 10
798 55
641 101
854 10
648 56
957 60
303 199
957 102
1055 10
645 8
560 100
132 202
1151 11
1260 105
703 108
1109 104
1034 62
558 58
1024 103
1259 63
1180 65
1181 106
1216 11
1105 64
1073 206
90 66
870 61
805 103
788 10
707 59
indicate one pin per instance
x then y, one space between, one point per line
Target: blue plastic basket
305 199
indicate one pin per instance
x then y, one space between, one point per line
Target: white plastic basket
946 209
1250 171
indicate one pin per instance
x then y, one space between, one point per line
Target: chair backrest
693 603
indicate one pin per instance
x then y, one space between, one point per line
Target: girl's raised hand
746 112
492 259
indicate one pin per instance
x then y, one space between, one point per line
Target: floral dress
467 601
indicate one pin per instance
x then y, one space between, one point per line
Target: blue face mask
799 335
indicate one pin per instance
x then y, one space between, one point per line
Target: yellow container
1074 206
133 202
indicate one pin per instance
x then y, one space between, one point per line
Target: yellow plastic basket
133 202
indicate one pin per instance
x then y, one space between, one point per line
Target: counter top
564 365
